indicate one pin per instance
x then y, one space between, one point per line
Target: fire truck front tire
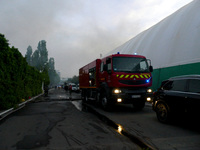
105 102
98 99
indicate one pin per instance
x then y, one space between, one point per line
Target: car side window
176 85
168 85
179 85
194 86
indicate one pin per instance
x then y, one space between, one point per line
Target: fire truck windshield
130 64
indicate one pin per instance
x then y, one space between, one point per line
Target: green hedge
18 80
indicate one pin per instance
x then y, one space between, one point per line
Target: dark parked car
176 97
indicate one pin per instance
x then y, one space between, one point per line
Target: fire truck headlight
119 100
149 91
117 91
148 99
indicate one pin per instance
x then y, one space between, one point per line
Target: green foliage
43 59
28 55
18 80
54 77
45 76
39 60
74 79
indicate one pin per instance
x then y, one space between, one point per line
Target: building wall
162 74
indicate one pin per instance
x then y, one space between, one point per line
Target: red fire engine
118 78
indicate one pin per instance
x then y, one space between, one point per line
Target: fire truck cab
118 78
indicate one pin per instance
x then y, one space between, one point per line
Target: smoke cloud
76 32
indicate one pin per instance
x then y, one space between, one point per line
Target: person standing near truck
46 91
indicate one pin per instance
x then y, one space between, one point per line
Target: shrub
18 80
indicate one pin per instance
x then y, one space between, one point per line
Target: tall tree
54 77
35 60
28 55
51 64
43 59
39 60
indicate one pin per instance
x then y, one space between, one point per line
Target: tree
35 60
51 64
28 55
18 80
54 77
74 79
39 60
43 54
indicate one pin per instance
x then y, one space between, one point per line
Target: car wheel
162 112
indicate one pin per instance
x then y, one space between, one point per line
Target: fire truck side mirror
108 60
151 68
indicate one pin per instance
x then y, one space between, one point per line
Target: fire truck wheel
105 102
98 99
85 97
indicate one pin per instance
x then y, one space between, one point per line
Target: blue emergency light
148 80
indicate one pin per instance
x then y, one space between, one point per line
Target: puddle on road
61 95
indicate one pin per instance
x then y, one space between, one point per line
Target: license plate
136 96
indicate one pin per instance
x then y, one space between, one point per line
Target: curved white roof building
173 44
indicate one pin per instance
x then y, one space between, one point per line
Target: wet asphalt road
182 134
54 123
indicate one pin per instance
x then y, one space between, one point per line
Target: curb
20 106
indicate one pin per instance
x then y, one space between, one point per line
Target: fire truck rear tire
85 99
84 96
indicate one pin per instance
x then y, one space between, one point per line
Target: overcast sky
78 31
